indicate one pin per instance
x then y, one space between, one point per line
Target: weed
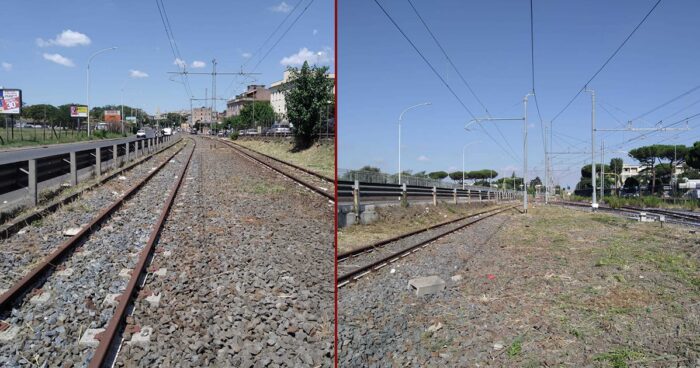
267 189
515 348
618 358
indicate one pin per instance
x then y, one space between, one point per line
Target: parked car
251 131
193 131
141 134
167 131
278 129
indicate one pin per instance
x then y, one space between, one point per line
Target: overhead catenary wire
459 73
430 65
173 46
607 61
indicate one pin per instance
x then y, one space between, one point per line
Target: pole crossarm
215 73
643 129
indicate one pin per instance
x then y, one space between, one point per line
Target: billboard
130 118
112 116
78 111
10 101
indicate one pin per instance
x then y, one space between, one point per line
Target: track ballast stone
50 331
249 281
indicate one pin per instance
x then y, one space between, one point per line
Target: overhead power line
444 52
173 45
440 77
607 61
668 102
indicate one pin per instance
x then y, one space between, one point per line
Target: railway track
56 311
656 214
361 262
307 178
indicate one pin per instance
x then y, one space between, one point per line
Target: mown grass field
320 158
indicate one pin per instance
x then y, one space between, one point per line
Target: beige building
255 92
201 115
629 171
277 99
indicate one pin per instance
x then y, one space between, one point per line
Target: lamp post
463 150
401 118
594 203
88 83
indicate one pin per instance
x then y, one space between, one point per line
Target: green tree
370 169
692 156
457 176
310 92
438 175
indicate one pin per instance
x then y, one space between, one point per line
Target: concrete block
125 273
161 272
168 253
154 300
111 300
65 272
72 231
40 298
456 278
9 334
88 338
142 337
427 285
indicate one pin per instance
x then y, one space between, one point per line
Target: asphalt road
24 154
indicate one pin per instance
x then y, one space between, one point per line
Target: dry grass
320 158
396 220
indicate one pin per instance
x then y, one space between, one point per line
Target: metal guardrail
28 174
353 191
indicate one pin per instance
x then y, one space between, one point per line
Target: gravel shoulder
556 287
249 281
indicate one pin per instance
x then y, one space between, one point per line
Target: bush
99 134
233 136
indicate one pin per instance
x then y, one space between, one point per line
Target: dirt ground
396 220
554 288
579 289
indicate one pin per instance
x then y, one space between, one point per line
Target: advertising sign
130 118
112 116
10 101
78 111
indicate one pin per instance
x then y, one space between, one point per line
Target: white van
167 131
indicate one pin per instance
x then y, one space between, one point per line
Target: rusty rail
358 273
21 287
112 331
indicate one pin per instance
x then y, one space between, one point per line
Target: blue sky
489 41
45 47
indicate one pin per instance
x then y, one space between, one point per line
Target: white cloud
283 7
59 59
6 66
247 55
304 54
452 168
198 64
423 158
67 38
179 62
137 74
315 32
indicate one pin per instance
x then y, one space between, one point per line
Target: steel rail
285 163
293 177
364 270
672 217
107 338
21 287
352 253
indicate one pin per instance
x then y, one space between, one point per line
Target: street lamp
88 83
401 118
463 150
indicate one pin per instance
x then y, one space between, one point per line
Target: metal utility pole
213 74
401 118
594 203
602 170
524 120
546 182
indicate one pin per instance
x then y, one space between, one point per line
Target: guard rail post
404 194
480 196
115 156
469 196
73 169
33 192
454 195
434 196
98 162
137 148
356 199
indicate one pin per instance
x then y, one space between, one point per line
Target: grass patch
515 348
319 158
267 189
26 137
618 358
